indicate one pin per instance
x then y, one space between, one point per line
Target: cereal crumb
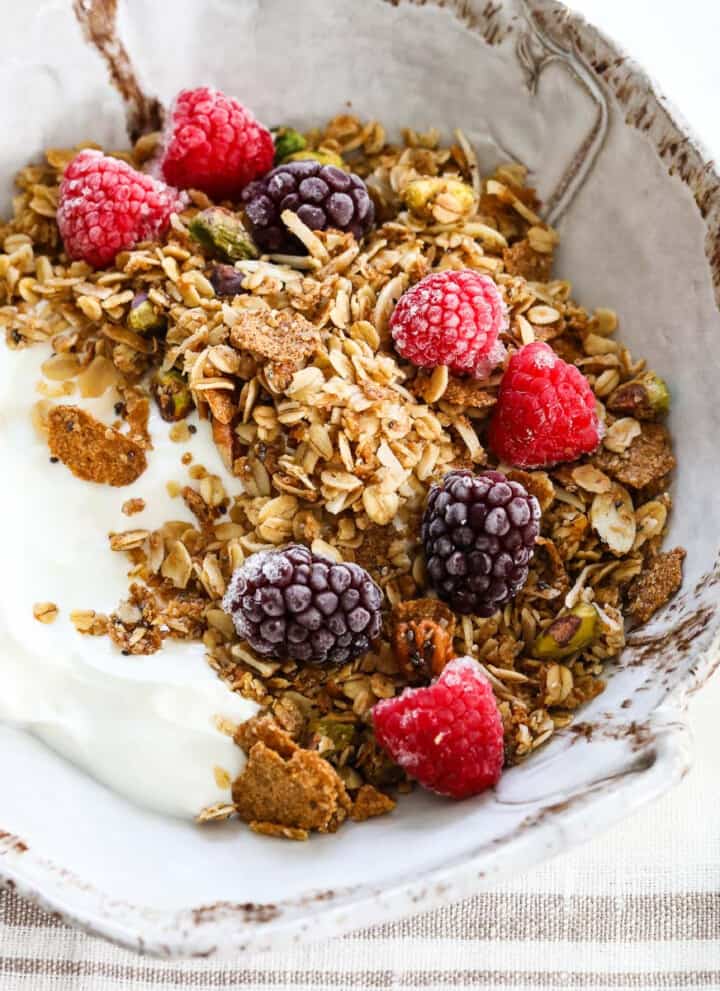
521 259
132 506
282 832
45 612
370 802
91 450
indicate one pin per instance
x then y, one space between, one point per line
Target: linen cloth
636 908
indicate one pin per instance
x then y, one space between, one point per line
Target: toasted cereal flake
132 506
91 450
45 612
369 802
648 458
656 585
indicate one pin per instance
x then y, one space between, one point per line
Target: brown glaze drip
98 20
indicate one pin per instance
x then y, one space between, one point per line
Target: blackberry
291 603
479 534
321 195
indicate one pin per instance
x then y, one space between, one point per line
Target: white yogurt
143 726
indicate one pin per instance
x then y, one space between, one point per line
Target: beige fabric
637 908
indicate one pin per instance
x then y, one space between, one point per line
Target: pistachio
645 398
172 394
324 157
223 233
143 316
226 280
440 199
330 735
572 631
288 142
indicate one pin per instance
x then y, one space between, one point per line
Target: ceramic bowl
638 208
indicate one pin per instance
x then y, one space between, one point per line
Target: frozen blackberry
321 195
291 603
479 535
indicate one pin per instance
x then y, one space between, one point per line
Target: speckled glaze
638 207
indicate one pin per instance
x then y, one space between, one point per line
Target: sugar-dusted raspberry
106 206
545 412
479 535
215 144
321 195
292 603
449 735
451 318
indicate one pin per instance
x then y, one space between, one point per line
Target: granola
333 441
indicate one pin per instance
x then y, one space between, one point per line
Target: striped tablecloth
637 908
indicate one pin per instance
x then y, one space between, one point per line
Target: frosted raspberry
215 144
451 318
448 736
545 412
106 206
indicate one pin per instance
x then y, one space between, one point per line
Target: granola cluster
334 441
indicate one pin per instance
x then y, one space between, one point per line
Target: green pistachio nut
222 233
646 397
569 633
143 317
288 141
439 198
172 395
324 157
341 734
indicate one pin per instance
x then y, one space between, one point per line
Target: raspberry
106 206
215 144
479 536
451 318
545 411
321 195
449 735
294 603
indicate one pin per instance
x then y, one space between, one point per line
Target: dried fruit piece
422 649
143 315
172 395
645 398
91 450
222 232
569 633
226 280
